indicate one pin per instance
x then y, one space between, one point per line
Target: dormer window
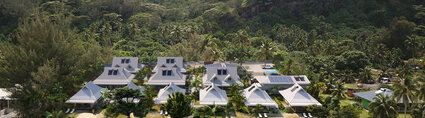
170 61
166 72
123 61
113 72
221 72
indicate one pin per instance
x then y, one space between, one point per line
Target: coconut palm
338 90
384 107
418 111
404 90
257 110
195 82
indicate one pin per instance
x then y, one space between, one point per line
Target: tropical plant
339 90
383 107
216 109
178 105
196 82
237 97
124 103
257 110
143 73
405 91
149 93
203 112
418 111
55 114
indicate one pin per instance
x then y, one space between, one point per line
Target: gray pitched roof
123 77
255 95
164 92
130 63
211 76
90 93
300 79
134 86
297 96
212 95
369 95
159 79
178 62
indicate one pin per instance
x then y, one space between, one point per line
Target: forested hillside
50 48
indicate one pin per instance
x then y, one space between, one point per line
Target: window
110 72
127 61
221 72
164 72
122 61
115 72
170 61
169 73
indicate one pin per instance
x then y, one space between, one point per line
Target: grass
156 107
242 115
196 103
364 114
350 86
286 115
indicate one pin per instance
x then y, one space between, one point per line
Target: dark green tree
178 105
127 101
383 107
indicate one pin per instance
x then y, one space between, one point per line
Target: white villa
168 69
221 74
297 97
131 64
255 95
164 92
88 96
212 95
113 77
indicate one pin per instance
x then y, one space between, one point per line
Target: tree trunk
405 110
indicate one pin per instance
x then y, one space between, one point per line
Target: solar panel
280 79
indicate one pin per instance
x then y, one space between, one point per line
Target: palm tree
418 111
257 110
178 105
412 43
384 107
266 49
404 90
195 82
216 109
338 90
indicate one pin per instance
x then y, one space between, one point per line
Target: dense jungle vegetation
50 48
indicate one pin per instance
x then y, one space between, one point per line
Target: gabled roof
212 76
212 95
123 77
255 95
159 79
4 94
130 63
90 93
369 95
178 62
164 92
134 86
273 79
297 96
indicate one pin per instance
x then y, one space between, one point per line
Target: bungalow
212 95
255 95
170 62
167 74
164 92
268 82
87 97
221 74
5 100
298 98
367 97
114 77
131 64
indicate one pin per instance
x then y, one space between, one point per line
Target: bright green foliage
383 107
256 110
124 102
178 105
